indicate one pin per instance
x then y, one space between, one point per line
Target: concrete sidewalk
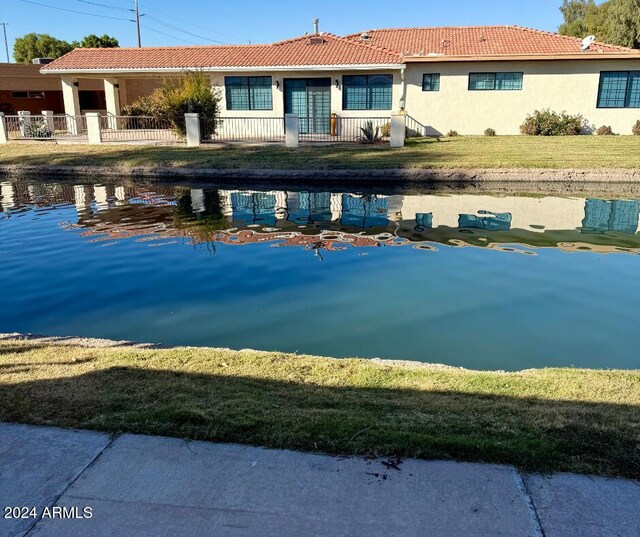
154 486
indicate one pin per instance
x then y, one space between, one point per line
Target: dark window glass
248 93
431 82
367 92
619 89
495 81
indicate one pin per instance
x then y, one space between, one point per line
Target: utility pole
138 25
6 43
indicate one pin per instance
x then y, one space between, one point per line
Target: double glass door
310 99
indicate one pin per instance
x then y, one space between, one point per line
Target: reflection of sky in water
350 275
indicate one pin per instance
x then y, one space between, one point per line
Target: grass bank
473 152
554 419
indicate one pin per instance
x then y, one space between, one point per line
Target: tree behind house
614 21
33 45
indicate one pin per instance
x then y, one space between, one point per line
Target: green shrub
191 93
452 134
636 128
548 123
605 131
370 134
490 132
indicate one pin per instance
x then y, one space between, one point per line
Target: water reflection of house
330 220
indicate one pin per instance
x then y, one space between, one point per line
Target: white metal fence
137 128
46 127
293 129
272 129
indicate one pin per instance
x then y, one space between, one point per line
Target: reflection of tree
202 226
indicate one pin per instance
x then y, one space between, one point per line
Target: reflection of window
495 81
619 89
248 92
492 222
431 82
618 215
27 94
424 221
367 92
254 208
364 211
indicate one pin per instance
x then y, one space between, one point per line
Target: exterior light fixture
76 83
116 85
277 84
337 84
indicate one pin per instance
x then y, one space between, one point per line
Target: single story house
466 79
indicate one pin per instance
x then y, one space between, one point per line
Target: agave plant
37 128
370 135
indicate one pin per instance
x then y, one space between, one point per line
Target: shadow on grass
533 434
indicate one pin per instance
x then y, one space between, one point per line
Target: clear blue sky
259 21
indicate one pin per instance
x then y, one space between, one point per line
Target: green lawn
553 419
580 152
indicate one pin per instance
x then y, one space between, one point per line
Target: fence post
192 124
94 135
4 137
25 122
292 130
398 130
48 117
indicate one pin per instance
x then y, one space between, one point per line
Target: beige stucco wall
132 89
559 85
217 79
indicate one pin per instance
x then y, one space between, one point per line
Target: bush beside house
191 93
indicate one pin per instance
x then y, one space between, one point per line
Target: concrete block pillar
71 100
25 122
93 128
398 130
48 117
4 136
192 123
292 130
112 98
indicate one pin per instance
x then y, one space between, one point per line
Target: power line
168 35
162 13
74 11
106 6
176 28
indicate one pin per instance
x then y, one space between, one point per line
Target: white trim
355 67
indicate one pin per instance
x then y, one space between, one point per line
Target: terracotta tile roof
479 41
311 50
383 47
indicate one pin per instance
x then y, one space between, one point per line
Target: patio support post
192 124
292 130
93 128
71 99
3 129
398 130
112 98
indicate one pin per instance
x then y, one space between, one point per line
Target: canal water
467 279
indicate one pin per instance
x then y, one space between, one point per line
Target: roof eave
524 57
256 68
